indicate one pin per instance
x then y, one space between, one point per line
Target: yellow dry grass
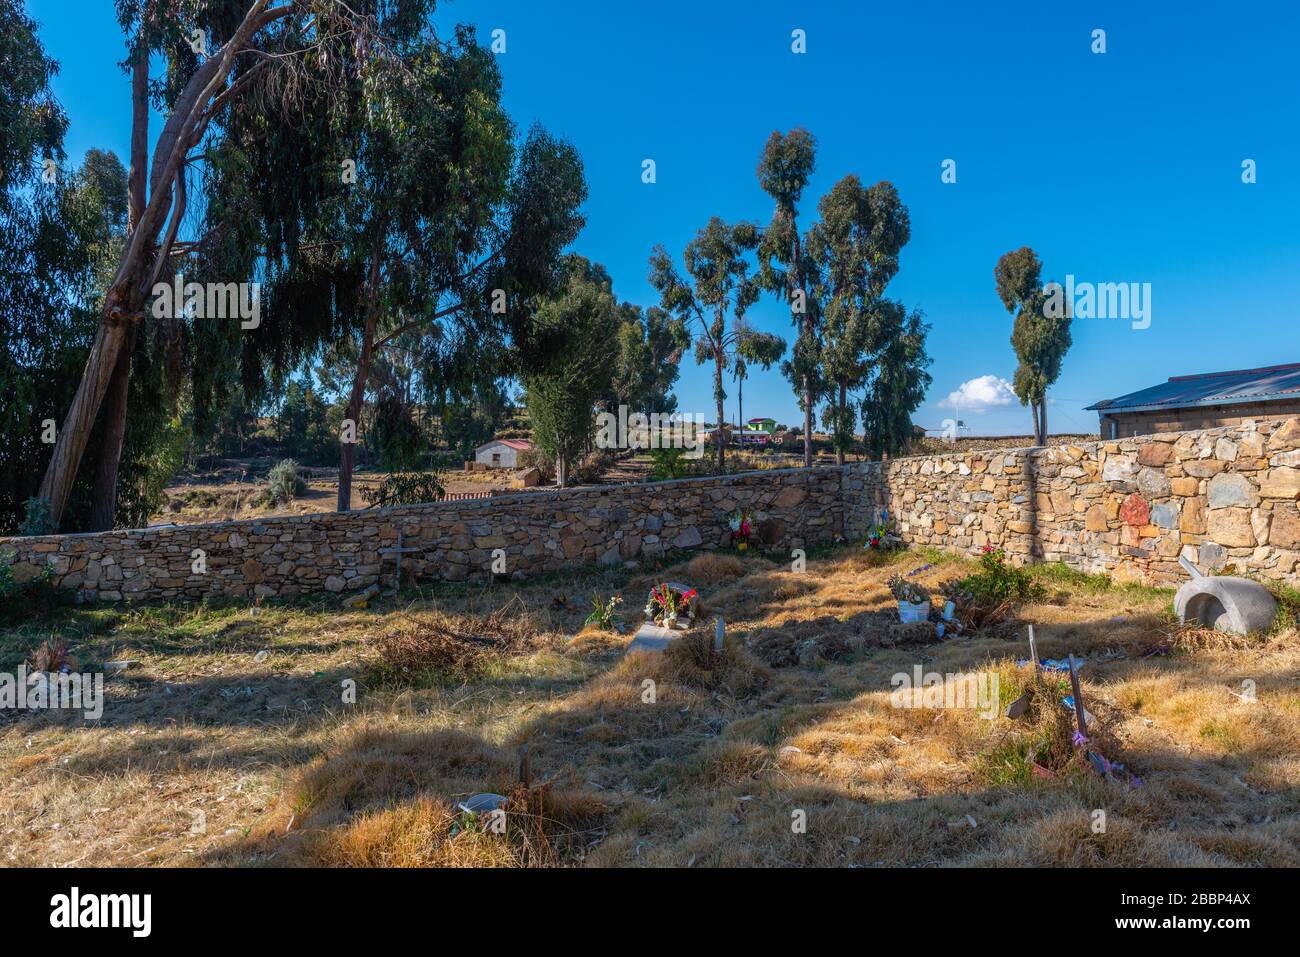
207 754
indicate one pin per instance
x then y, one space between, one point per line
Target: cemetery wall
538 531
1128 507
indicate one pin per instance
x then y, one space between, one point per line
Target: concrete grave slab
652 637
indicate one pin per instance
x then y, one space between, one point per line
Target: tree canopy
1039 336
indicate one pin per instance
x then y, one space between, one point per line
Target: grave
652 637
398 552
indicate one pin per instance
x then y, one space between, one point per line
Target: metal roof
519 445
1211 388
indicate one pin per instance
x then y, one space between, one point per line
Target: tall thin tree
853 253
786 163
213 57
1040 334
719 284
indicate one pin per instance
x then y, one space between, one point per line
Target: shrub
996 581
591 468
285 482
23 601
669 463
536 458
7 583
37 519
406 488
987 596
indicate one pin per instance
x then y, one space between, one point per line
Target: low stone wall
1128 507
538 532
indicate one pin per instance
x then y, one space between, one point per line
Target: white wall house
501 453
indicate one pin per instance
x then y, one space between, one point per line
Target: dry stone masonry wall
538 532
1128 507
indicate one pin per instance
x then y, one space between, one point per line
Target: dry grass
685 758
711 568
435 642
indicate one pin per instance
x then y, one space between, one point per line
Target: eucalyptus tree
211 58
786 163
1040 336
60 233
435 225
651 343
898 379
578 324
717 283
33 336
32 119
423 215
853 253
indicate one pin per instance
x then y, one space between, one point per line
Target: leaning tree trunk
103 508
144 255
70 444
1042 411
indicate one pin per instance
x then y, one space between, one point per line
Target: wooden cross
398 552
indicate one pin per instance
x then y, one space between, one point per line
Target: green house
762 425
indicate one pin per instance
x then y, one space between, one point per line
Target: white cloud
980 395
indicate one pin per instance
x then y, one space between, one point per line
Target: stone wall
1128 507
539 532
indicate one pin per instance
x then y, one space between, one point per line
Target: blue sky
1116 167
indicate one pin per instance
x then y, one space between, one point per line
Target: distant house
501 453
1203 401
762 425
749 435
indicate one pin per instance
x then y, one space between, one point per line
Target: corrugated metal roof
520 445
1211 388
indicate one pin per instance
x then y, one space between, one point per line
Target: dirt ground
229 493
233 488
233 740
236 489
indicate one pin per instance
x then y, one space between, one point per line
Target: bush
536 458
669 463
406 488
987 597
22 602
996 581
285 482
591 468
36 518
